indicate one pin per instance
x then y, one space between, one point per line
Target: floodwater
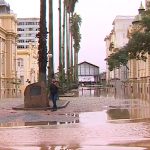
123 127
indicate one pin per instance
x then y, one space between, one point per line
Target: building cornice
10 32
28 18
8 16
19 52
107 37
3 30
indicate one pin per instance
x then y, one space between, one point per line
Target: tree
75 29
118 59
42 35
51 60
70 6
138 46
63 47
60 47
139 43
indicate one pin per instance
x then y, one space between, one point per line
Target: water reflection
118 114
43 147
85 92
128 92
78 148
46 123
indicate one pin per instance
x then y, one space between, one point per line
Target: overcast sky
97 17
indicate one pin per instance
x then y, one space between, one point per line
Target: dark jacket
53 88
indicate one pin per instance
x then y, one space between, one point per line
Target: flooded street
117 124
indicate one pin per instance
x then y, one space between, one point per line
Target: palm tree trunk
77 67
67 49
60 46
51 62
42 43
74 65
71 53
63 53
63 48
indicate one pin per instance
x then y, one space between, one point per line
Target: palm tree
42 35
51 62
60 47
70 6
67 42
75 29
63 47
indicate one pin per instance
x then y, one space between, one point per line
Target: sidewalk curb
21 107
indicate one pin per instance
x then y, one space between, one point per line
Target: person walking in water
54 86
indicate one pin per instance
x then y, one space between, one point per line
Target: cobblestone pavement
76 105
96 134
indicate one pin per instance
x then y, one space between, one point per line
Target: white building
27 30
88 72
117 39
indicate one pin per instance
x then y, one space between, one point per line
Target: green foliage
137 47
70 5
118 59
75 30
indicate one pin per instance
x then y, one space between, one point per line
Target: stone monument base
35 96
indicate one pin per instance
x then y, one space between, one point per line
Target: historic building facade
8 52
27 65
114 41
139 70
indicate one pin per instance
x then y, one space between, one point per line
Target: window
20 62
20 41
30 29
3 64
22 80
20 46
2 84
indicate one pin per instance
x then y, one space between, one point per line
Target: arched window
20 62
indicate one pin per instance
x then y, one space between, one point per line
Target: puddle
105 116
76 148
46 123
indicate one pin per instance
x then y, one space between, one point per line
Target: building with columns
8 52
139 70
114 41
27 65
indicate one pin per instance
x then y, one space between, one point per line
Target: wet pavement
87 123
